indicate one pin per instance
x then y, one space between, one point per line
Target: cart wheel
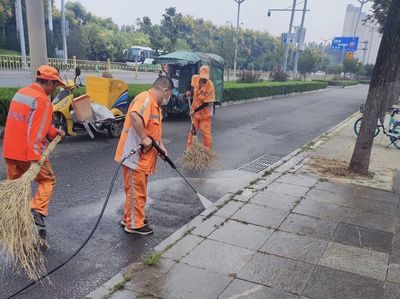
115 129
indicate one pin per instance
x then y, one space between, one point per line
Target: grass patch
151 259
9 52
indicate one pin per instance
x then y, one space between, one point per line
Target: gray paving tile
185 282
326 283
323 210
393 274
128 294
275 200
242 235
385 223
219 257
287 189
277 272
229 209
298 180
335 187
208 226
358 191
142 277
300 248
244 289
363 237
354 201
183 247
355 260
392 291
309 226
259 215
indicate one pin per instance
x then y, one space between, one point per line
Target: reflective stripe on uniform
26 100
146 103
154 116
132 199
38 139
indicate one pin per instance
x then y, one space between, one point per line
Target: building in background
364 32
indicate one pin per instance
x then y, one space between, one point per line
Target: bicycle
394 126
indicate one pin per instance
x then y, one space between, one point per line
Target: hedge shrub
6 94
342 83
237 92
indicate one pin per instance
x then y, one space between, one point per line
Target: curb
290 161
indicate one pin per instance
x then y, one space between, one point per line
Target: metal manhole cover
260 163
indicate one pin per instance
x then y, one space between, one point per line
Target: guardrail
17 63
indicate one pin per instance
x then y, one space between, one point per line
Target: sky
325 19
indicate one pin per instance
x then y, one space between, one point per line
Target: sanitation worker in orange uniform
29 123
201 110
143 120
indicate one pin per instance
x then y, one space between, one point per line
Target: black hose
91 233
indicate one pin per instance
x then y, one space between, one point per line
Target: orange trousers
203 125
46 179
135 184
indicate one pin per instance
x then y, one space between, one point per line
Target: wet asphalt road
84 169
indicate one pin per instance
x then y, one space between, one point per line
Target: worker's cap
47 72
204 72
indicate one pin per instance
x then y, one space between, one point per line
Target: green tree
309 62
352 66
170 27
383 89
6 13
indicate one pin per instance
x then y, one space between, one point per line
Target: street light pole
237 37
285 59
362 2
372 29
64 36
21 32
300 46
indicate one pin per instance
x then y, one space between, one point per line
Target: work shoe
123 223
38 218
145 230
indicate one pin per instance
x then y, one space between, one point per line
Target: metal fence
17 63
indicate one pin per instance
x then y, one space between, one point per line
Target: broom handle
49 149
192 129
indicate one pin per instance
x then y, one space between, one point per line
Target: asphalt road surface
84 169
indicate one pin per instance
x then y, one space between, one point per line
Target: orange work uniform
202 118
138 167
28 123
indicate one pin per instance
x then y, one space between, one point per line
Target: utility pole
50 15
64 36
285 59
365 49
237 37
300 44
21 32
36 35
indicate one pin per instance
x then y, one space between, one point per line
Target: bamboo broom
197 157
18 233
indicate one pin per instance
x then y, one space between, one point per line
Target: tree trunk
382 88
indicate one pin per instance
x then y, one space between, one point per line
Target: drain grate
260 163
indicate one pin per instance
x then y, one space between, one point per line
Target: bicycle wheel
357 126
395 141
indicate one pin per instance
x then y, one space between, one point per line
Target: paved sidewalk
296 232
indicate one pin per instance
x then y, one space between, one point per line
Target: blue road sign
349 44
